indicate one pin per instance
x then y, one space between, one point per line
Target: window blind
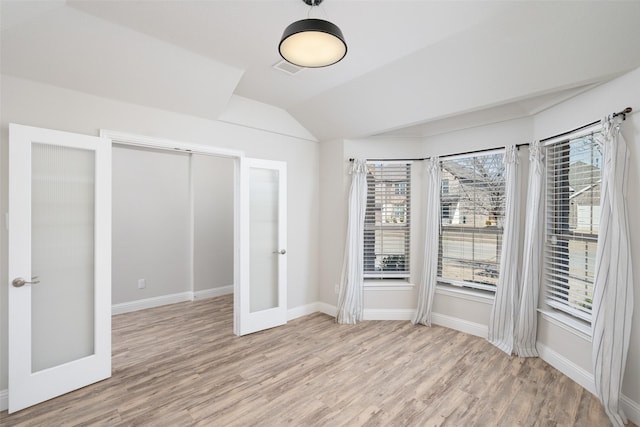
574 175
387 221
472 200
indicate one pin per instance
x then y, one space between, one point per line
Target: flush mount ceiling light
312 43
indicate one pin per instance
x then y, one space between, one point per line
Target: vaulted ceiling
413 67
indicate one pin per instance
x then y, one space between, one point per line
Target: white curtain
352 281
427 287
524 344
613 286
502 319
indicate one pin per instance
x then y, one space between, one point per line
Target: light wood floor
180 365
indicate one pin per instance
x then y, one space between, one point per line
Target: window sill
387 285
568 323
475 295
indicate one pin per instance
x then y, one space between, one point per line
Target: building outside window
574 175
472 200
387 220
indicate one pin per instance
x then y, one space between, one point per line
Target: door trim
125 138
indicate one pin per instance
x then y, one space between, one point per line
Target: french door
59 267
59 263
261 298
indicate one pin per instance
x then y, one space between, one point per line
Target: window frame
401 189
566 309
474 286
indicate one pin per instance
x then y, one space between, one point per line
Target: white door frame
125 138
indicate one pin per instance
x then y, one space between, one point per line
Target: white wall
213 221
42 105
151 223
593 105
567 349
152 220
335 186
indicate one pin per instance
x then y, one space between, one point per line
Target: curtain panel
427 286
527 316
502 319
352 280
613 285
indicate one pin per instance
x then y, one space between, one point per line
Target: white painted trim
387 314
584 378
566 366
327 309
568 323
166 144
467 294
461 325
303 310
387 285
631 409
213 292
142 304
4 400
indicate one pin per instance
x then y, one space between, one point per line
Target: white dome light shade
312 43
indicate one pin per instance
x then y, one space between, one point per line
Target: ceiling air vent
287 67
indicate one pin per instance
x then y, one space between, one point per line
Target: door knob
19 282
281 252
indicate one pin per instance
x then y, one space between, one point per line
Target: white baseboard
567 367
142 304
213 292
4 400
370 313
585 379
631 409
328 309
472 328
303 310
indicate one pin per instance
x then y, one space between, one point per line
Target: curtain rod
441 157
622 113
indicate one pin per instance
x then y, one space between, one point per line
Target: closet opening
173 226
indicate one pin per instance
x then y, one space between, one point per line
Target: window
471 217
573 215
387 220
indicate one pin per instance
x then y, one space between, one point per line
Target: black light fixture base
312 43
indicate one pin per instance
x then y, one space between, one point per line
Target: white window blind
574 167
472 199
387 221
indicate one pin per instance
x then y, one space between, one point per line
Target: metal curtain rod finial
623 113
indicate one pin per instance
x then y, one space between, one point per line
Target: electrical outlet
337 288
142 283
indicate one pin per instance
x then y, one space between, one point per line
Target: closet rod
622 113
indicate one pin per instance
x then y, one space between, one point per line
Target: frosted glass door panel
263 217
62 250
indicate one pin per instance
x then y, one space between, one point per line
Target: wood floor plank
181 365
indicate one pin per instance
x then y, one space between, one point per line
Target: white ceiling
413 67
